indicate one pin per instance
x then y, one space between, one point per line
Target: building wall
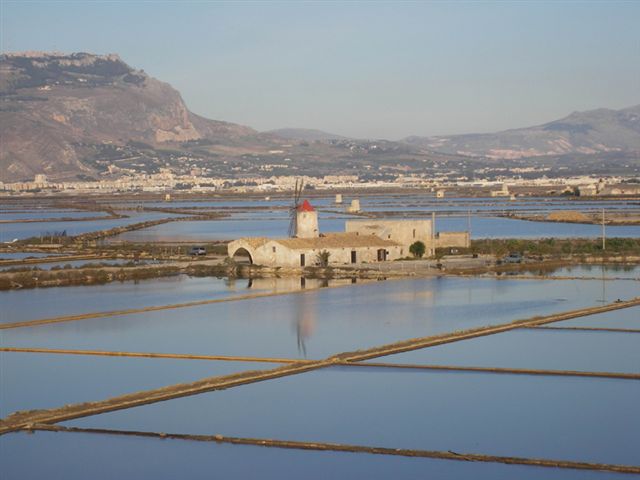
452 239
273 254
404 232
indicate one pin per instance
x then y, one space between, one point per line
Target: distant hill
86 116
56 111
305 134
590 132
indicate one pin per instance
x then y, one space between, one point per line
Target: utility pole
433 233
603 232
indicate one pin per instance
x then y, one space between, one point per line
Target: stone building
364 241
343 248
404 232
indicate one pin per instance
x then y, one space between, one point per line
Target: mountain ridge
588 132
54 104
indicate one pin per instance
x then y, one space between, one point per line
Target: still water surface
19 305
38 380
536 349
512 415
313 324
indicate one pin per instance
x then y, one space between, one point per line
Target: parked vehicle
197 251
514 257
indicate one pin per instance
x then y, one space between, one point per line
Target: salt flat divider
587 329
20 420
180 356
231 358
338 447
499 370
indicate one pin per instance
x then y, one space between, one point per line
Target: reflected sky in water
625 318
513 415
326 321
537 349
19 305
38 380
10 231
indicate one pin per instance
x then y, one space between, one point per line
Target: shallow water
535 349
624 318
23 255
10 231
481 227
49 214
106 262
314 324
39 380
273 222
514 415
58 455
20 305
631 272
223 229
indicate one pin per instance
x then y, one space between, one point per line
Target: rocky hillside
57 111
590 132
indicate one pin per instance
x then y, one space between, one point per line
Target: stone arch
241 254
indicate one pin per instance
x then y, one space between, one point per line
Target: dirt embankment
630 217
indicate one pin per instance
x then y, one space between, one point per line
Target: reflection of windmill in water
305 320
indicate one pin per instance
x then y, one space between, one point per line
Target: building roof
336 240
305 207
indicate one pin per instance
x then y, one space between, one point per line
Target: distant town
167 181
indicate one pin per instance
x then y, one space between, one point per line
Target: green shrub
417 249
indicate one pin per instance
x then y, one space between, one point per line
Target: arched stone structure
245 247
241 253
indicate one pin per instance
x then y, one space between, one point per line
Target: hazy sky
366 69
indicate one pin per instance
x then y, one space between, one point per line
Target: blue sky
365 69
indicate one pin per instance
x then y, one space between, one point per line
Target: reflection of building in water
287 284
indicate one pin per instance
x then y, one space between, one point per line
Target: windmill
293 210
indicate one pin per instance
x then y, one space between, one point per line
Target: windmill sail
293 210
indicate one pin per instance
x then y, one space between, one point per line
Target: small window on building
389 236
274 249
414 233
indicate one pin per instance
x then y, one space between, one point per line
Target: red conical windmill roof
305 207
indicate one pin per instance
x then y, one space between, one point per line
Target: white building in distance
364 241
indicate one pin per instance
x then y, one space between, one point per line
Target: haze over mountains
85 116
589 132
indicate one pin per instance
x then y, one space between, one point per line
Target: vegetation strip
337 447
231 358
589 329
185 356
21 420
129 311
512 371
53 259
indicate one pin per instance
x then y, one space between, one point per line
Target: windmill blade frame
293 210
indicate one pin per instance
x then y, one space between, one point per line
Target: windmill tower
303 218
